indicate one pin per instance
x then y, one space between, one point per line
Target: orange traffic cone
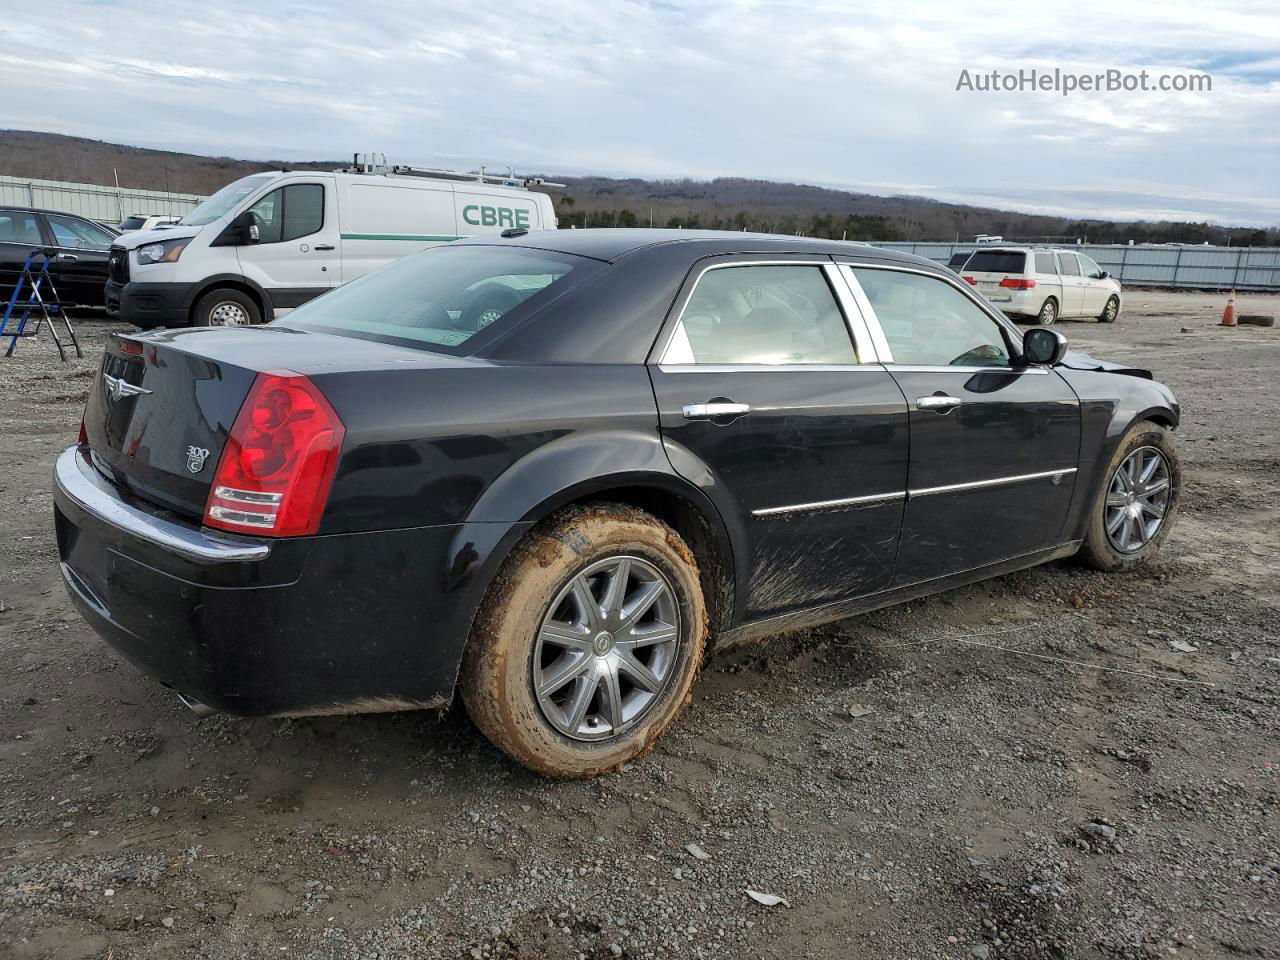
1229 314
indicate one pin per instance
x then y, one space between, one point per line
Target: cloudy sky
851 94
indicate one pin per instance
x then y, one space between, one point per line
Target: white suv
1041 284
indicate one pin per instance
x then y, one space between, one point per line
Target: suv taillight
970 280
276 469
1014 283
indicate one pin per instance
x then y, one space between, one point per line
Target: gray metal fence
1157 265
92 200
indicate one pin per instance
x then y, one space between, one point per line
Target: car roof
612 244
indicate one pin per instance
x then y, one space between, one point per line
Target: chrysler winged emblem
117 388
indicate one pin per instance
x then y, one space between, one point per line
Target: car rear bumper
149 305
342 623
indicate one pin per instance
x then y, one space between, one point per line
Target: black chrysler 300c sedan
549 470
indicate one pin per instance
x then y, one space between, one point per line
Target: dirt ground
929 781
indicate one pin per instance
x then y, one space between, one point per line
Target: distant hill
728 203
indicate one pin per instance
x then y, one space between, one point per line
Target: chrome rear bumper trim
81 483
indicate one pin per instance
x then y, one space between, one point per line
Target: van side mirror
1043 347
1103 275
241 231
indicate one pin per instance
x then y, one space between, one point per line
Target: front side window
441 298
289 213
928 321
78 234
1091 268
777 314
1069 264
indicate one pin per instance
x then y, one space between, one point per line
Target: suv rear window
132 223
442 298
997 261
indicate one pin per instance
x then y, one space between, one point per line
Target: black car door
19 236
80 266
994 444
764 404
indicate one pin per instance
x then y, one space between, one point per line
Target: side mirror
239 232
1043 347
1103 275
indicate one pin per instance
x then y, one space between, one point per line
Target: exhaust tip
195 706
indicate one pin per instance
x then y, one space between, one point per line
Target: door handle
68 257
323 246
717 408
939 404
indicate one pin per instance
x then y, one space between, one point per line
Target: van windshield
217 206
442 298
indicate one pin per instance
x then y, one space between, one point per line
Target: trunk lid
163 403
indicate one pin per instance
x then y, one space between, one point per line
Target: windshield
217 206
441 298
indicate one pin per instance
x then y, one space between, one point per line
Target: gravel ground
906 787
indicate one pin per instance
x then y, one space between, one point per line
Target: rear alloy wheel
226 308
1110 311
587 649
1135 510
1048 312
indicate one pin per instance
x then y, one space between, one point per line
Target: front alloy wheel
1137 500
587 646
1134 511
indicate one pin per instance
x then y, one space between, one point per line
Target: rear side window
289 212
19 227
1045 264
442 298
1069 264
784 314
997 261
928 321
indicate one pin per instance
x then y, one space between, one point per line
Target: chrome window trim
946 368
829 270
910 494
995 482
1003 322
829 504
769 367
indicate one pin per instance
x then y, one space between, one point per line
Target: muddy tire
1110 311
1137 504
588 643
1048 312
226 307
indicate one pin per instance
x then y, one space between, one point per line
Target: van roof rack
375 164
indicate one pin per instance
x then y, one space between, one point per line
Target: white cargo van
272 241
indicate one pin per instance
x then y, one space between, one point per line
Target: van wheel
1048 312
1135 509
587 646
226 307
1110 311
487 306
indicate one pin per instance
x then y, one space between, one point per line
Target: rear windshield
442 298
132 223
997 261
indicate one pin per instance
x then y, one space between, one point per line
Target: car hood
131 241
1075 360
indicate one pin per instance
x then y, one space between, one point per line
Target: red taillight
971 280
1014 283
279 460
131 347
84 433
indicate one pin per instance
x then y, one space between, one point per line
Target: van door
386 218
1073 284
298 253
1096 290
491 213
